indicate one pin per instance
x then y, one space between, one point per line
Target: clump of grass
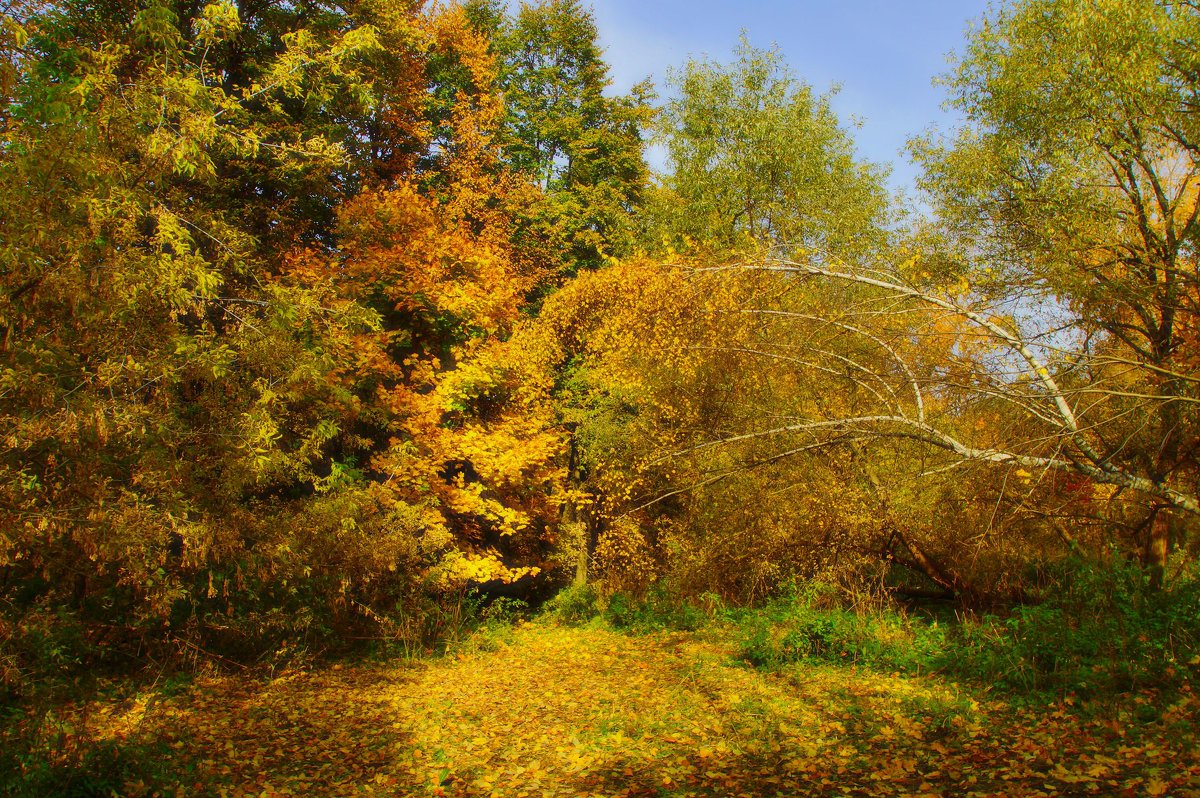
659 610
806 624
942 712
1095 628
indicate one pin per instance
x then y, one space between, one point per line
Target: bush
424 624
660 609
493 627
1096 628
504 611
44 651
41 755
575 604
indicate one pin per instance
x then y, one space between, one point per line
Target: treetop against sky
884 55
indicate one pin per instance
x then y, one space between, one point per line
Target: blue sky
883 53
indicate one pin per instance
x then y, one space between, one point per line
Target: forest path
542 711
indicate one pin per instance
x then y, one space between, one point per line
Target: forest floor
542 710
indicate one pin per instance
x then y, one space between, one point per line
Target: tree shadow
325 733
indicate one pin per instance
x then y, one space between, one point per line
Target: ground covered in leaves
544 710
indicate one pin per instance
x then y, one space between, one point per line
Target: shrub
493 627
574 604
40 755
1097 627
660 609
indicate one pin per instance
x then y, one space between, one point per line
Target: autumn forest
376 420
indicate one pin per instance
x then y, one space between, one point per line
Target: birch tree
1074 185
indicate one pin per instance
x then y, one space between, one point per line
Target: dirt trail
550 711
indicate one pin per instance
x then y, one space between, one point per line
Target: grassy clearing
1089 692
548 710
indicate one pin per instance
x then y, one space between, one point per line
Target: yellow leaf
1156 786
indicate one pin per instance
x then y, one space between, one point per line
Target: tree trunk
571 515
581 559
1158 538
1166 528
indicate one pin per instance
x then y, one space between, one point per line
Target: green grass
1092 630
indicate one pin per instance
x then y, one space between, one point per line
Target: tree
467 432
1045 327
657 360
1074 183
582 146
1044 330
756 159
153 379
212 407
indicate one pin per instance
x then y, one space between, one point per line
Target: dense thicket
260 266
953 406
314 316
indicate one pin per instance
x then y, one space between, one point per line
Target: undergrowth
41 754
49 667
807 625
1094 628
659 609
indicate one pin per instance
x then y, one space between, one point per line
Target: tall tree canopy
662 361
757 159
565 129
257 276
1075 181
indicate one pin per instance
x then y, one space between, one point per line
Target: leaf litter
566 712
